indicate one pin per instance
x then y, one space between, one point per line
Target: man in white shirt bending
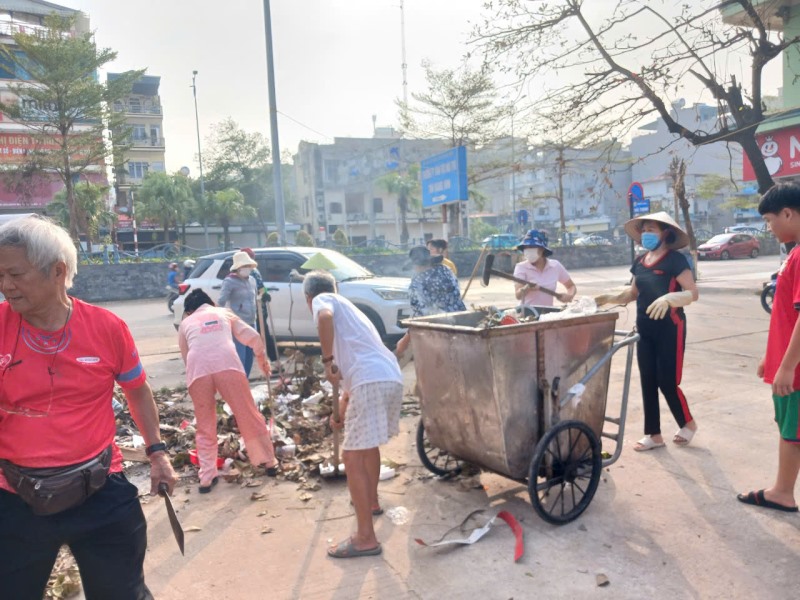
372 387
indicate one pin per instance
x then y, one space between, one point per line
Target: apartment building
30 193
142 143
339 187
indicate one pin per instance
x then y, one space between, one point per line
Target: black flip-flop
205 489
758 499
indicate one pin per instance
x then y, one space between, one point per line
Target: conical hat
634 229
319 261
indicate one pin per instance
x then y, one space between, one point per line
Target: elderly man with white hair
61 479
372 387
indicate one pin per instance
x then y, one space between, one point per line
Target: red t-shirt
86 358
784 316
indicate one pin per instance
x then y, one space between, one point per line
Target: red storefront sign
781 152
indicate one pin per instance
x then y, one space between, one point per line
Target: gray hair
319 282
44 242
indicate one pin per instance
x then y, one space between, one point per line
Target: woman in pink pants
212 366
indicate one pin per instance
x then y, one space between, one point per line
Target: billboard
444 177
781 152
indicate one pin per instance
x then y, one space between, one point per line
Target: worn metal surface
482 390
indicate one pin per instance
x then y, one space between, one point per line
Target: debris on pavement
297 407
65 580
601 580
463 534
398 515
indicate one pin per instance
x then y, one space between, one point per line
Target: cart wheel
439 462
565 471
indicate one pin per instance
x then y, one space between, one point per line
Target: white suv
384 300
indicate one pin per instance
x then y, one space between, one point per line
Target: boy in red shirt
780 207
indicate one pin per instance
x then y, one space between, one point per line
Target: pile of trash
580 306
296 406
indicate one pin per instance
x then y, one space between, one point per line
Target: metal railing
134 109
147 142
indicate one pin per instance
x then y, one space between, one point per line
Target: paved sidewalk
663 524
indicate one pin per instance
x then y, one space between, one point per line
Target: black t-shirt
655 280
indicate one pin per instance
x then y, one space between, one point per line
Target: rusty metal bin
489 395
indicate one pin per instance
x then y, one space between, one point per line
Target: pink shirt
548 277
206 342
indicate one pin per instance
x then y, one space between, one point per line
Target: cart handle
628 338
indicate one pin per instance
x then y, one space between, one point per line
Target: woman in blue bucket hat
540 271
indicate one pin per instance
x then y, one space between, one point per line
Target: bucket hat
240 259
634 229
535 239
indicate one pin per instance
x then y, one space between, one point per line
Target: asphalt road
152 328
663 524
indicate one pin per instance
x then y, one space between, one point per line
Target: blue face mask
650 240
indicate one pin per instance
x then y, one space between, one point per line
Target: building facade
19 191
141 148
341 186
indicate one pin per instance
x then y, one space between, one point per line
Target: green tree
91 210
340 238
239 159
406 187
228 205
480 229
62 104
459 105
303 238
273 239
166 199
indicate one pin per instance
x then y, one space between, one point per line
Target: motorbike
768 293
172 295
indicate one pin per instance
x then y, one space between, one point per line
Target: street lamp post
200 160
277 175
513 178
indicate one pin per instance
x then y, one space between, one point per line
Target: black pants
107 536
271 353
659 353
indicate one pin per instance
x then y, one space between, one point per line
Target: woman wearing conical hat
662 285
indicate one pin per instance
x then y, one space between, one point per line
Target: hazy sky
337 62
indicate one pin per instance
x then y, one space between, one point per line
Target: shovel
332 470
488 271
163 490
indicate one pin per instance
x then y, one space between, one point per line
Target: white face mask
244 272
532 254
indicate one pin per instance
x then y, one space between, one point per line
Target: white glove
660 306
622 297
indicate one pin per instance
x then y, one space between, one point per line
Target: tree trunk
72 206
560 164
753 152
403 202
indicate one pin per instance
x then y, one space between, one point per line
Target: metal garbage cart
527 401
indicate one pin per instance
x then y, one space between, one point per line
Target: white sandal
686 434
648 443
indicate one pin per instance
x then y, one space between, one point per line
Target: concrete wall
103 283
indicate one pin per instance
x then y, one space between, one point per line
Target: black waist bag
54 490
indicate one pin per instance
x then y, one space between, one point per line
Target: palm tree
228 205
407 188
165 198
90 209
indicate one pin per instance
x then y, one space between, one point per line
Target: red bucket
194 461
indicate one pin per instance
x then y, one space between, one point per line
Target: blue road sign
641 207
522 217
444 177
635 192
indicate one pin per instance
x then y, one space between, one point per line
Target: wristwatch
158 447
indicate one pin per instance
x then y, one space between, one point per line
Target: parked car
384 300
592 240
501 241
750 229
729 245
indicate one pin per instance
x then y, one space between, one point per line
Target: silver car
384 300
